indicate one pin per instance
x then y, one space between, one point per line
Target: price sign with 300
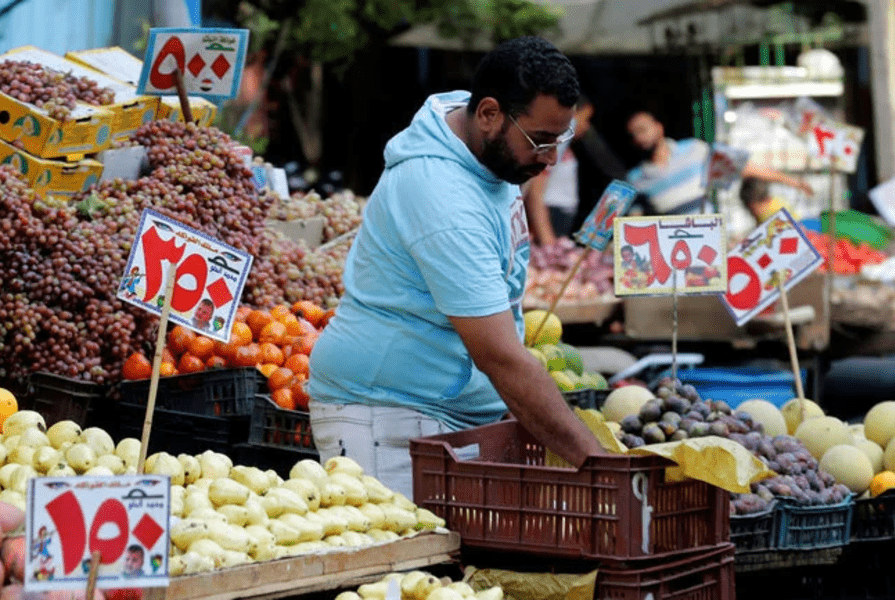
654 256
123 518
775 249
209 275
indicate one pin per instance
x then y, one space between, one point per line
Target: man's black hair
516 71
754 190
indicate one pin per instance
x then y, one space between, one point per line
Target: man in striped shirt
672 177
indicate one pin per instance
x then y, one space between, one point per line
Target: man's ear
488 115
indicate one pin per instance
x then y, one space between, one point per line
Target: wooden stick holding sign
95 557
791 343
181 94
595 234
156 367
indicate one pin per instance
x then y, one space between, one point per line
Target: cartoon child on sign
40 550
129 283
133 561
637 271
203 314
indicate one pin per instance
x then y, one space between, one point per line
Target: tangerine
272 332
300 397
881 482
226 350
215 362
8 404
309 311
167 368
294 327
283 398
271 353
267 369
167 356
136 366
256 321
247 356
298 363
304 345
242 313
280 311
240 334
189 363
201 347
179 339
281 378
327 317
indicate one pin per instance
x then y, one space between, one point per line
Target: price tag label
834 144
655 255
615 202
725 165
124 518
211 61
209 275
776 248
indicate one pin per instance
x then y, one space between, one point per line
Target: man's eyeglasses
545 148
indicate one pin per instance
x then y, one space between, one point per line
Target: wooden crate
312 573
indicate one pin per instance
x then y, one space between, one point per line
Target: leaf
91 206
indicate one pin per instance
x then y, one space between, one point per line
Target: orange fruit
304 345
271 353
267 369
167 368
256 321
201 347
327 317
8 404
272 332
215 362
190 364
300 397
294 327
281 378
283 398
280 311
179 339
298 363
167 356
308 310
136 366
240 334
242 313
247 356
882 481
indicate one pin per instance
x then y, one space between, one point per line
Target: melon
849 465
889 456
879 424
625 401
765 413
822 433
792 413
873 451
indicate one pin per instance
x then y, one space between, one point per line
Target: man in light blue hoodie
428 335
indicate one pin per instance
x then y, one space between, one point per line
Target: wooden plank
313 572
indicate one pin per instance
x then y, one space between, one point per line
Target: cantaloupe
879 424
822 433
873 452
792 413
765 413
889 456
625 401
849 465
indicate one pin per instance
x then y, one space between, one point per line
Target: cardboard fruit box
120 64
48 176
130 110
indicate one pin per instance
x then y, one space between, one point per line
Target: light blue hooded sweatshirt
441 235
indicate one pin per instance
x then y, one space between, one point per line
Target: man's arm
526 387
767 174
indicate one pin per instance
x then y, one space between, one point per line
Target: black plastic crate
214 393
585 398
265 456
874 518
279 427
60 398
814 527
756 531
181 432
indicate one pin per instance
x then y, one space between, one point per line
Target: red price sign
655 256
834 143
776 249
725 165
210 61
208 278
123 518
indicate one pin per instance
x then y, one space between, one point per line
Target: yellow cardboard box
130 110
51 176
120 64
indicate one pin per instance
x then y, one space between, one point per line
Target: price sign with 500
124 519
209 275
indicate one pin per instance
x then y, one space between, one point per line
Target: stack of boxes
58 157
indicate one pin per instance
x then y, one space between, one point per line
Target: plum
651 411
631 424
653 434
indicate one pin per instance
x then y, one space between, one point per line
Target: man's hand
526 387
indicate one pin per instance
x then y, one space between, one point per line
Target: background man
428 335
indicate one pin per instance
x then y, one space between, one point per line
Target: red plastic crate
702 576
506 499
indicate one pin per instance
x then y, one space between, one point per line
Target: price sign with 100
209 275
124 519
670 254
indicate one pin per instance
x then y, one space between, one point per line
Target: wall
57 25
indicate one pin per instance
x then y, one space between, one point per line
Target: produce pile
223 514
419 585
342 211
550 264
562 361
54 91
848 257
63 260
